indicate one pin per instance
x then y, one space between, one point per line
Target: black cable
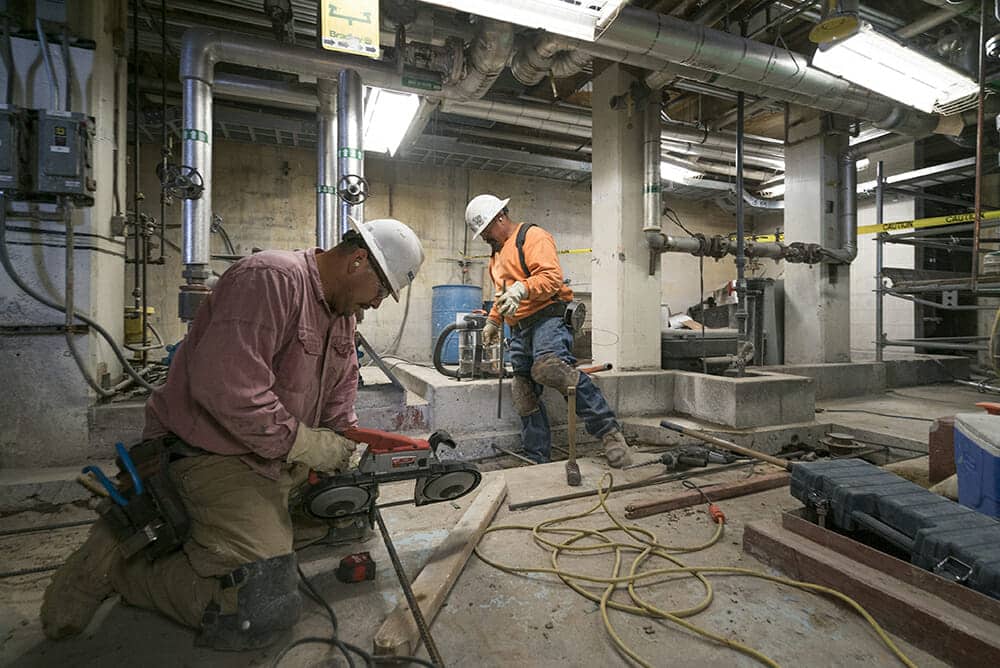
672 216
885 415
693 485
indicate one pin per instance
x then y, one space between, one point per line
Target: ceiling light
678 174
388 115
572 19
890 68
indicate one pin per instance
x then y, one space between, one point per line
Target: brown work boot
80 585
617 451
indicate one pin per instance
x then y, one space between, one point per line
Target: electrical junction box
64 156
15 151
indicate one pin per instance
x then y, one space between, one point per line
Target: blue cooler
977 461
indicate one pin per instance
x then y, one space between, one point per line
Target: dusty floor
492 618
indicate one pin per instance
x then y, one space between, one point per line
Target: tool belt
144 507
553 310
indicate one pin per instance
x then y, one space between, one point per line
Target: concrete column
626 299
817 297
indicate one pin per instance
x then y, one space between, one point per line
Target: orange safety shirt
545 284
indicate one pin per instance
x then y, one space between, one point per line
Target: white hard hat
481 211
395 249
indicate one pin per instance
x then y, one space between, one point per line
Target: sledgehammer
573 477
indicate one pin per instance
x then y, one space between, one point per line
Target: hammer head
573 477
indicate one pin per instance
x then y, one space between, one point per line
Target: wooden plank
398 633
985 606
716 492
951 633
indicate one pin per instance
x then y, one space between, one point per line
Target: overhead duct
542 54
484 61
641 37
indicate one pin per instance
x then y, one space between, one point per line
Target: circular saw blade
447 486
340 501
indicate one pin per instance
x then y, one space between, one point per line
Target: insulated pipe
201 50
350 151
637 36
54 97
326 165
545 53
485 59
576 123
298 96
197 152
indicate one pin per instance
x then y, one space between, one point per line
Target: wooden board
398 633
968 599
955 635
692 497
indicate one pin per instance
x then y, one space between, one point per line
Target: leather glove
491 333
510 299
321 449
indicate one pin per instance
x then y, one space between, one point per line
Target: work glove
491 333
510 299
321 449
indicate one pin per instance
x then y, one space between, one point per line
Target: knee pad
522 391
267 603
552 372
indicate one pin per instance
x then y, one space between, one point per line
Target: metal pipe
651 203
564 121
545 53
326 166
930 343
927 22
298 96
847 195
8 62
979 147
350 146
139 245
879 262
50 70
741 258
197 153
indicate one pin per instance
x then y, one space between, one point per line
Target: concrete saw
388 458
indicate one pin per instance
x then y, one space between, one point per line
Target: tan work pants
237 516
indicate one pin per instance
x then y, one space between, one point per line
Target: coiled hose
439 347
645 545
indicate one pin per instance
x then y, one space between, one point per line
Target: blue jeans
552 336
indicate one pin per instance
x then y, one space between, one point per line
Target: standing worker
532 299
266 376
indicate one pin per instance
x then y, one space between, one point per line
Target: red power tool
389 457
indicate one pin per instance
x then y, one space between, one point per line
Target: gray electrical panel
15 151
64 155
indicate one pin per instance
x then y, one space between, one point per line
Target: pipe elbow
656 239
198 54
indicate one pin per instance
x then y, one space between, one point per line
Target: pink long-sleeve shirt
264 354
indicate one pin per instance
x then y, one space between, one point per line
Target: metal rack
938 290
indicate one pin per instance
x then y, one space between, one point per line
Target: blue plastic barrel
447 301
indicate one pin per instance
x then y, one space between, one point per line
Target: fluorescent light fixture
388 115
862 164
572 19
886 66
678 174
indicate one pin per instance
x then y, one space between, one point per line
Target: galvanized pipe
651 202
879 260
326 165
350 144
847 216
197 152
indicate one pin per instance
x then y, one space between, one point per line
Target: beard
495 246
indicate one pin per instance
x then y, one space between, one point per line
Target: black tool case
939 535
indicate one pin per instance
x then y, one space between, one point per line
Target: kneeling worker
532 298
254 397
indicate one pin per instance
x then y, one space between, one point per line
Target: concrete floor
495 619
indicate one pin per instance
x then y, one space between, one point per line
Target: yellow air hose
644 544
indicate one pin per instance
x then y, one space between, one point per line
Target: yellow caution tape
920 223
572 251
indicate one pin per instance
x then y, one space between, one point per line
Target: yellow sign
927 222
351 26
